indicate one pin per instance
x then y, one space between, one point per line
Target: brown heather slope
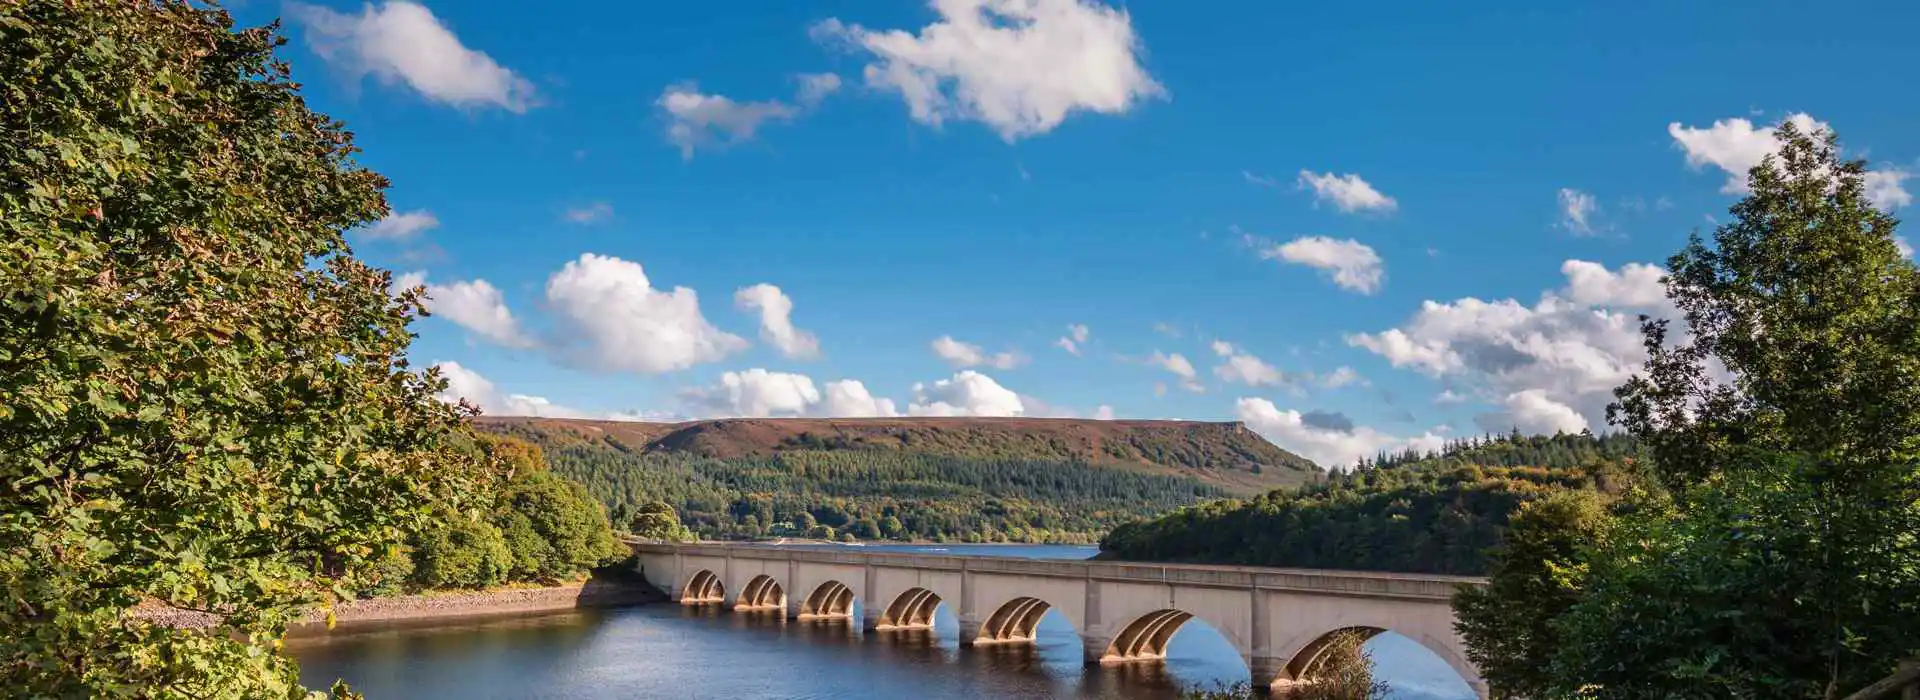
1225 453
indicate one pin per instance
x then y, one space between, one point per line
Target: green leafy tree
1536 576
555 529
657 521
1788 426
461 553
204 397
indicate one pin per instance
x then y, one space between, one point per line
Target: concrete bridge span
1125 612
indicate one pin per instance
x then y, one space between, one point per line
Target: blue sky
1355 227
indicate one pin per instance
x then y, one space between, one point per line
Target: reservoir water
671 651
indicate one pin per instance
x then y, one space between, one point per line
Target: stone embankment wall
440 605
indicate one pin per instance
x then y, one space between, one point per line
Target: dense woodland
1432 513
863 494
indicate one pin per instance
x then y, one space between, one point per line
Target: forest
870 495
1429 513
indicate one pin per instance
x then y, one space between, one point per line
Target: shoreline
434 607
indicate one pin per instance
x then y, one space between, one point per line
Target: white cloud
1352 264
1884 188
478 307
468 384
405 281
402 42
776 320
1180 367
1326 445
961 354
1166 329
815 87
967 393
1905 248
696 119
1241 367
1447 396
1571 348
1532 411
1019 66
1735 146
624 324
1076 336
1348 193
399 226
1342 376
1104 412
1576 211
590 214
758 393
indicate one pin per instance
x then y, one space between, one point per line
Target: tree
555 530
461 553
1787 422
204 397
1536 575
658 521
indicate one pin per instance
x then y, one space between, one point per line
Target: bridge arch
829 600
1304 653
761 593
1014 621
912 609
703 589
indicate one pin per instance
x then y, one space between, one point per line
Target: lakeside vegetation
1426 513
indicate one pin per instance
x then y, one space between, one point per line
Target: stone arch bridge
1125 612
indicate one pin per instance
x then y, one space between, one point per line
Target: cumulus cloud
815 87
1076 336
1342 376
776 320
463 383
1576 211
1533 411
696 119
590 214
623 324
402 42
1352 265
961 354
982 61
1180 367
1241 367
405 281
1735 146
400 226
1330 440
1571 348
1104 412
758 393
478 307
1348 193
967 393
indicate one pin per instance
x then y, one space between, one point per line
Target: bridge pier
1267 671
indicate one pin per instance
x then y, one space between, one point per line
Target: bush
462 553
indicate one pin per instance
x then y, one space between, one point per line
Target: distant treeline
1413 512
874 495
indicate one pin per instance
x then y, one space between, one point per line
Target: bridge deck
1322 581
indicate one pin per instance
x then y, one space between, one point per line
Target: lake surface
671 651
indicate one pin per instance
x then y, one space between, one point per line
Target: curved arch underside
830 600
1014 622
703 589
1306 664
761 593
1145 639
911 610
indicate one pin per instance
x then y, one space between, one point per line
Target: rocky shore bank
439 605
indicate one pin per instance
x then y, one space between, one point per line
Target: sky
1355 227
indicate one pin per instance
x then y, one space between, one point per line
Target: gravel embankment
440 605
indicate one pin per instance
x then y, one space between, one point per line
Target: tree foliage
658 521
462 552
555 529
204 397
1785 421
1535 576
1437 513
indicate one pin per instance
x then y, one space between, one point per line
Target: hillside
943 479
1431 513
1225 454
